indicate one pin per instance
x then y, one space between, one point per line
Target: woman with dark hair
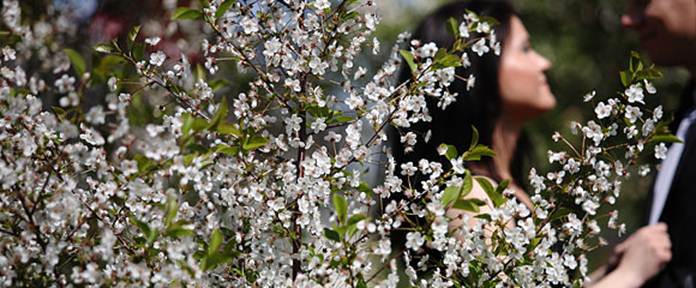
509 90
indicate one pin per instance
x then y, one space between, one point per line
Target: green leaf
220 114
665 138
191 124
227 150
218 84
105 48
474 137
188 123
198 124
408 57
200 72
471 204
223 8
254 143
142 226
356 218
78 63
339 120
361 282
502 186
499 190
625 80
341 207
652 73
450 195
496 197
150 234
177 231
172 207
444 59
450 151
341 230
635 56
138 50
108 66
365 188
185 13
460 45
229 129
478 151
485 184
144 164
467 184
453 27
352 225
332 235
559 213
484 216
59 111
188 159
212 261
320 112
216 239
133 33
491 20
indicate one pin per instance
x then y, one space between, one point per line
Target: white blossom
480 47
470 82
153 41
661 151
65 84
464 30
594 132
602 110
250 25
633 113
649 87
414 240
428 50
635 94
157 58
657 113
322 4
589 96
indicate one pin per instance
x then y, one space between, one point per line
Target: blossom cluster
263 185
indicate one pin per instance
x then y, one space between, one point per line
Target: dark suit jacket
679 211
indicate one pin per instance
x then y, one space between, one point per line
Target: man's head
667 30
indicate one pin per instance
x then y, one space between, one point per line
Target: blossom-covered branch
182 175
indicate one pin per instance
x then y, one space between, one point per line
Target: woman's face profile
523 88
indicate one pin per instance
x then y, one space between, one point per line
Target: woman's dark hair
480 107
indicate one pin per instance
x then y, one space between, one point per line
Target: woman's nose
544 63
628 22
632 19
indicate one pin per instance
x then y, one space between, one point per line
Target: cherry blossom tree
264 187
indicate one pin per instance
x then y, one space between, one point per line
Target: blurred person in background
667 30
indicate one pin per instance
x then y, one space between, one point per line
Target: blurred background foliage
583 39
